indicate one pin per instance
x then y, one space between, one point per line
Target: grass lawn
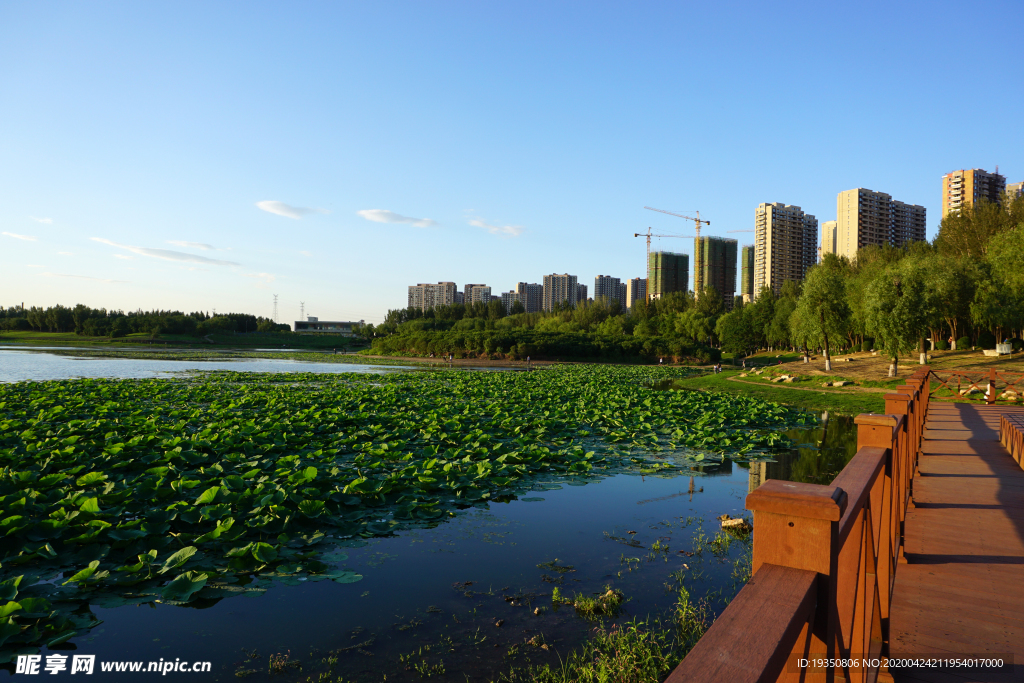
850 402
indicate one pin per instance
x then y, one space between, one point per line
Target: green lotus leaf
183 586
177 559
264 552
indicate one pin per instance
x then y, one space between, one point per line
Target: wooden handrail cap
800 500
876 419
898 397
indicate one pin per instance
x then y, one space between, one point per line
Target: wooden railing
964 385
824 562
1011 435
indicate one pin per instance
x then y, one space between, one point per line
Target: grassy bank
850 401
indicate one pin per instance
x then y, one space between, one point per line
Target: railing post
879 431
798 526
990 397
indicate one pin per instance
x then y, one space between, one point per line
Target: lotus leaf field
205 486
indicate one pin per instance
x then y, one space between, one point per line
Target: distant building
1014 190
865 217
507 299
476 294
313 325
460 298
531 295
785 245
425 295
828 237
636 290
610 288
747 273
715 266
581 294
966 187
667 272
559 289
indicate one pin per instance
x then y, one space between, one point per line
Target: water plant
213 485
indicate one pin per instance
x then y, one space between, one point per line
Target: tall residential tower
715 266
865 217
666 273
785 245
747 273
965 187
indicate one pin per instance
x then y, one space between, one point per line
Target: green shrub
986 340
963 343
942 345
867 344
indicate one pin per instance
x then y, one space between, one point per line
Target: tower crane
696 220
650 234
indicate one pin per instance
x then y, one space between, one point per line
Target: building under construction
747 273
715 266
667 272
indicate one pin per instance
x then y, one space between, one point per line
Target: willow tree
896 309
823 311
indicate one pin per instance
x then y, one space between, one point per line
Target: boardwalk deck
961 589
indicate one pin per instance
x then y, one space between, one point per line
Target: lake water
21 364
459 597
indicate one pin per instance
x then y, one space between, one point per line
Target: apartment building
581 294
829 229
865 217
559 289
785 244
667 272
1014 190
636 290
715 266
425 295
473 294
610 288
966 187
747 273
531 295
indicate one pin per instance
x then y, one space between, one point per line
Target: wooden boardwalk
961 589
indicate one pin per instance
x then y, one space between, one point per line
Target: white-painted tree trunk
924 359
828 365
892 369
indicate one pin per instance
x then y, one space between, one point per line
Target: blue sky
140 140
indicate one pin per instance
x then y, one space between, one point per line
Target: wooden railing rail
986 383
840 544
1011 435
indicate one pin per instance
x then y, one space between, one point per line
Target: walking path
961 591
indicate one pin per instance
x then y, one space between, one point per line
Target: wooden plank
732 651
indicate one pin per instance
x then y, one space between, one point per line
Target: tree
895 308
517 307
824 310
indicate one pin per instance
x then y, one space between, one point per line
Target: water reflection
818 454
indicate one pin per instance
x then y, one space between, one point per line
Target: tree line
964 289
100 322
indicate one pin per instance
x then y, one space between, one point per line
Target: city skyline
202 157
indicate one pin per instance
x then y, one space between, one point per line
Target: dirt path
823 390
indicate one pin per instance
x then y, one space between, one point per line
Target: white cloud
263 279
385 216
34 266
166 254
20 237
282 209
500 230
126 257
306 253
47 221
80 277
193 245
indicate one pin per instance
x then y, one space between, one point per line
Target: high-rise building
460 297
865 217
715 266
532 296
1014 190
828 237
636 290
965 187
425 295
666 273
581 294
476 294
507 299
623 293
559 289
747 273
785 245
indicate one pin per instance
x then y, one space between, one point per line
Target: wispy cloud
263 279
30 265
125 257
306 253
47 221
193 245
282 209
20 237
500 230
65 253
80 277
165 254
385 216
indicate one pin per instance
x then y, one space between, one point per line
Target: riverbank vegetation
130 491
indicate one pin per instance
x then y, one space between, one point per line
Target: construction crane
649 235
696 220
